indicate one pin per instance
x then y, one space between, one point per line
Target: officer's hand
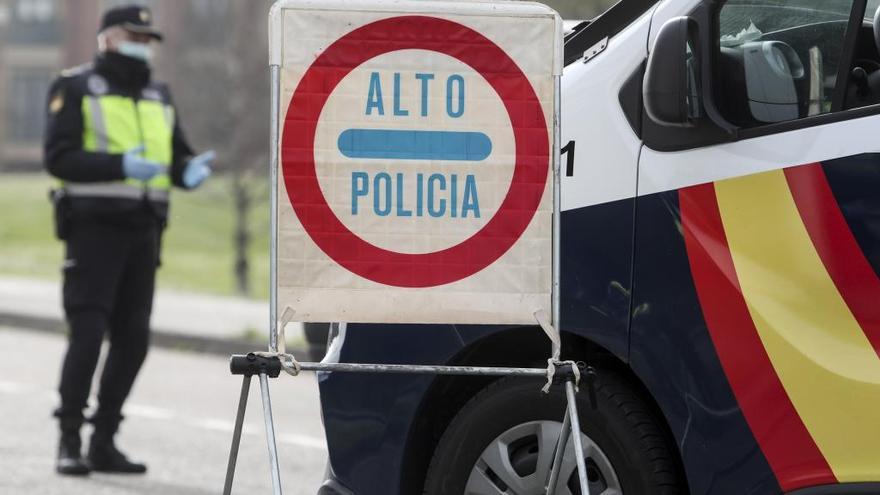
198 169
135 166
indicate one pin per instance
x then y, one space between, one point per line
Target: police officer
114 141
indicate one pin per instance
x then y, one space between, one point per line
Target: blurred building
30 40
39 38
212 47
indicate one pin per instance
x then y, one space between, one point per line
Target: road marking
162 414
214 424
148 412
13 388
303 441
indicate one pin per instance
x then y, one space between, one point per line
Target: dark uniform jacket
66 158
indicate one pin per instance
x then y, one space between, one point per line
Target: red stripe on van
790 450
851 272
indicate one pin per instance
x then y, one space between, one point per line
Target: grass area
197 247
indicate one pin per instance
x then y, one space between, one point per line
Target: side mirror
671 91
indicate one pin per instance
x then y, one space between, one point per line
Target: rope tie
288 362
553 365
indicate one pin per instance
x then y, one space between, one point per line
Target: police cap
134 18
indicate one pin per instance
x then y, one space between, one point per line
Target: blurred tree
219 59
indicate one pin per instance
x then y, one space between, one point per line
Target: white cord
288 361
290 365
555 340
554 362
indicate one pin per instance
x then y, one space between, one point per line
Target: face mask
139 51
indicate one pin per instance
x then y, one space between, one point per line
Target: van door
600 164
756 295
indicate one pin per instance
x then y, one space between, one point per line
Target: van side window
779 60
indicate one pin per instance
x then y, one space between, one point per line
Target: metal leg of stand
560 452
576 437
270 435
236 435
266 366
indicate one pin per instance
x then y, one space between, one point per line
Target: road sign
415 151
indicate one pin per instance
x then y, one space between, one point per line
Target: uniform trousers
109 278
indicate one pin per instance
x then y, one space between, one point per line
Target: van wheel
503 441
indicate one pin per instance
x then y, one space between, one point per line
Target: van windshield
873 5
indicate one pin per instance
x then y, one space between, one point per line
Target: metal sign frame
274 161
269 364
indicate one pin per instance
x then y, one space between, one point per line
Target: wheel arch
516 347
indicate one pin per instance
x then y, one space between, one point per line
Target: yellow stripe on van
826 364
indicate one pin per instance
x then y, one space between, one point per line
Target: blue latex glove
135 166
198 169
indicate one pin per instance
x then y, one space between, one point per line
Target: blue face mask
139 51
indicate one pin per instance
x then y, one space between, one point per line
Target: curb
159 337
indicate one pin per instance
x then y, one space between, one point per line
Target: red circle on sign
530 135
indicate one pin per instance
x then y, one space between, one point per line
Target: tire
627 451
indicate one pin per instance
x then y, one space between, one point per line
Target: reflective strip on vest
116 124
98 132
114 190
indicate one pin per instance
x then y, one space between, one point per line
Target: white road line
214 424
149 412
13 388
303 441
161 414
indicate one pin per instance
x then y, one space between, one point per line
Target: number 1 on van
568 149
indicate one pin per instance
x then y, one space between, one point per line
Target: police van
720 260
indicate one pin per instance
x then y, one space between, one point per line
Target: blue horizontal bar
414 145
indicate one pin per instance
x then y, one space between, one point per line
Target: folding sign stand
267 365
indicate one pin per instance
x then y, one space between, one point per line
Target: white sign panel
415 159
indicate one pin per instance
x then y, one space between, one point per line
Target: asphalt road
179 421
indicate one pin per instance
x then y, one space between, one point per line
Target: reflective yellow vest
116 124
